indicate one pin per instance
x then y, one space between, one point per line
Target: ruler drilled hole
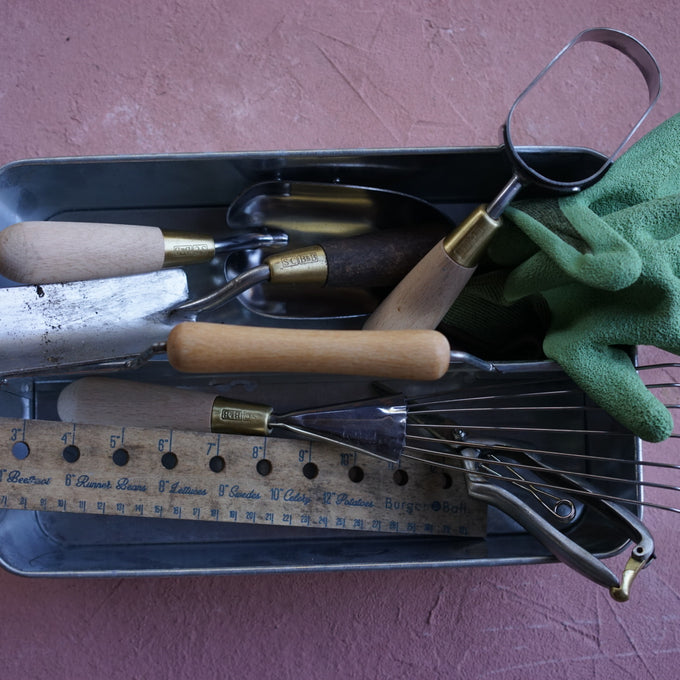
310 470
169 460
71 453
400 477
216 463
20 450
356 474
263 466
120 457
446 484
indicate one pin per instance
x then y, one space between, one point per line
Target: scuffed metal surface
88 78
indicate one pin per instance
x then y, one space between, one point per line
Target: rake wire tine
482 409
426 407
549 452
537 468
648 367
511 428
554 487
414 403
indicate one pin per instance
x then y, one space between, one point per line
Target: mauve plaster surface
86 78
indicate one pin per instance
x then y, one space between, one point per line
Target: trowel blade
48 329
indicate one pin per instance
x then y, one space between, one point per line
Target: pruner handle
561 546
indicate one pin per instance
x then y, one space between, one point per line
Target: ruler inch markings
281 495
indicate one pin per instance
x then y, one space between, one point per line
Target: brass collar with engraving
239 417
183 248
303 265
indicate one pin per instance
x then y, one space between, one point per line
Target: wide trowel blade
49 329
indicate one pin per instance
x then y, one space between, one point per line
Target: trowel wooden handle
127 403
109 401
424 295
195 347
56 252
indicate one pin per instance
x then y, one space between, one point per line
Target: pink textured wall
81 77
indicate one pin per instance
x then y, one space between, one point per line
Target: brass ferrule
239 417
183 247
303 265
466 244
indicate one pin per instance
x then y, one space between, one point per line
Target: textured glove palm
607 262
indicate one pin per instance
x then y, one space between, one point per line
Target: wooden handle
378 259
216 348
424 296
109 401
56 252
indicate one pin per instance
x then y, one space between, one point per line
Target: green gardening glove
607 262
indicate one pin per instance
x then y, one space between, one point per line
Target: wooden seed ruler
156 472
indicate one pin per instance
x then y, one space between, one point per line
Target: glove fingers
608 377
608 261
648 170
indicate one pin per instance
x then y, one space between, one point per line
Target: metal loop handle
631 48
